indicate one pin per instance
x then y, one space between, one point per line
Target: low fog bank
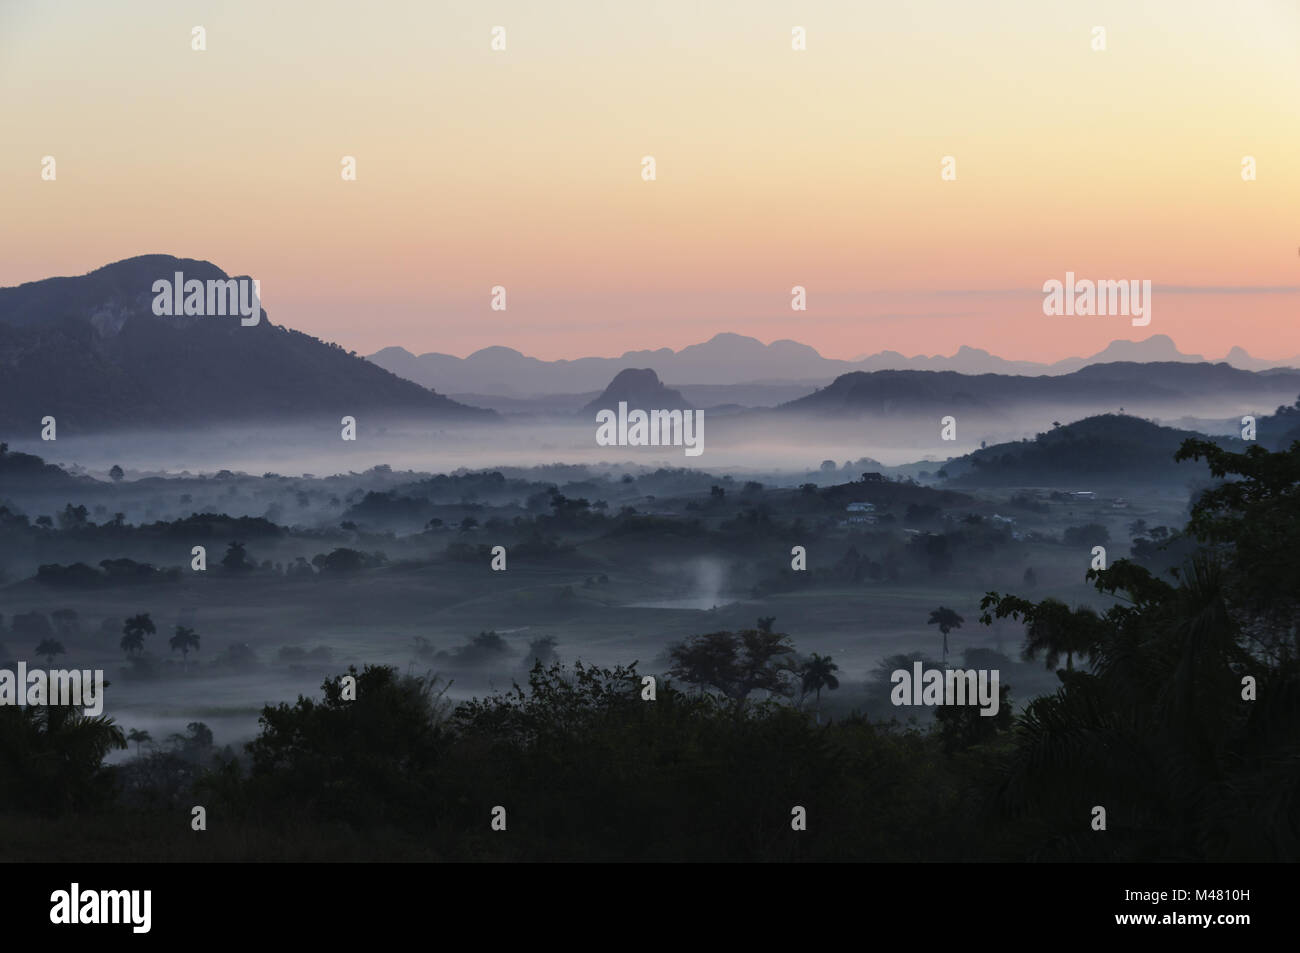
739 444
399 552
780 443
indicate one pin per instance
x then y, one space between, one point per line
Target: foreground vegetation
1177 712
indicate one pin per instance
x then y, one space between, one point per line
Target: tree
963 726
134 630
736 663
705 660
236 559
1166 718
342 559
1255 521
48 648
199 734
818 673
196 742
116 474
765 663
371 760
946 620
53 759
184 640
1052 628
73 517
140 738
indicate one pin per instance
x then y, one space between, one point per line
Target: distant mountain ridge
736 359
90 352
1106 448
641 389
908 408
878 392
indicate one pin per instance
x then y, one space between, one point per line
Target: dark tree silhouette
736 663
818 673
48 648
1190 707
236 559
53 758
946 620
134 630
183 641
1052 628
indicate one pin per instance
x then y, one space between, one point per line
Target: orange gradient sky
775 167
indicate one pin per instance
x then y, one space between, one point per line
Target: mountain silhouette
25 472
641 389
883 392
1279 430
90 352
727 359
1109 447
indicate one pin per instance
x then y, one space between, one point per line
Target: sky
775 167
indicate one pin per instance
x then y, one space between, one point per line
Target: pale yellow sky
775 167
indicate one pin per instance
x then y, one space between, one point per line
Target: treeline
1174 735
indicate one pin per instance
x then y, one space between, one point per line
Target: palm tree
61 766
946 620
48 648
1055 630
134 630
818 673
139 737
184 640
